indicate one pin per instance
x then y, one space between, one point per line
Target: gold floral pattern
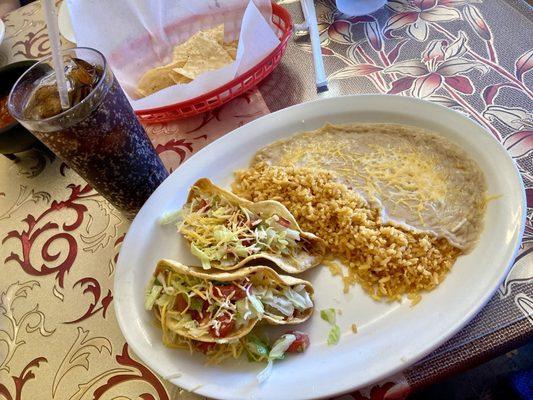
30 321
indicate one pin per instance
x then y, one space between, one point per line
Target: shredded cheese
404 173
414 179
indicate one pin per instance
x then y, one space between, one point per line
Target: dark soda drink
99 136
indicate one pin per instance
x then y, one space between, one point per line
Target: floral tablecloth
59 239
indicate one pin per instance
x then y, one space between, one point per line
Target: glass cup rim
19 117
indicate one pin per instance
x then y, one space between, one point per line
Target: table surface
58 334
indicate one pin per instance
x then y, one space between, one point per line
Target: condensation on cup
99 136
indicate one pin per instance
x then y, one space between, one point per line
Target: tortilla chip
231 48
158 78
215 34
206 55
180 52
179 55
178 78
204 51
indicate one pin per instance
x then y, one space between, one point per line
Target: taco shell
304 259
267 273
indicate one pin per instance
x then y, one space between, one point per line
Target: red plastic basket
215 98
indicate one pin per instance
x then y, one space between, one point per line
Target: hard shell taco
226 232
222 307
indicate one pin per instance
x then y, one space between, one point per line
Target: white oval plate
390 336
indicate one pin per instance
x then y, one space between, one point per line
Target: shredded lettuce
223 235
206 263
266 372
243 311
221 212
256 304
163 300
280 346
240 250
161 280
277 352
334 335
196 304
151 296
282 304
300 299
272 220
257 349
170 217
328 315
157 292
292 234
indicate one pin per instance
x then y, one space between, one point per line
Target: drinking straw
308 8
50 15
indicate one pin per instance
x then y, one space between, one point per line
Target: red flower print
144 375
524 64
476 21
26 375
519 144
513 118
414 15
442 64
44 224
92 286
340 31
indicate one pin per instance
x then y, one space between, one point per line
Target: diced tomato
202 205
223 292
204 347
284 222
226 327
195 315
239 294
181 303
300 344
247 242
